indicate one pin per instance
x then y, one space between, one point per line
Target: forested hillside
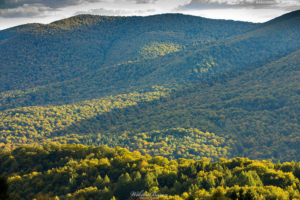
257 109
73 47
80 172
11 32
163 63
169 85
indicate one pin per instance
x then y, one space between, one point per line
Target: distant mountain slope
284 18
139 81
11 32
252 111
75 46
256 109
169 66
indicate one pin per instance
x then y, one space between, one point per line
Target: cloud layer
8 4
253 4
27 10
44 8
15 12
110 12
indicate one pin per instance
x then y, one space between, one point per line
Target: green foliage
61 67
159 49
83 44
163 87
236 80
11 32
41 125
76 171
254 109
218 194
4 186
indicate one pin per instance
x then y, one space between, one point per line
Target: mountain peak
285 17
11 32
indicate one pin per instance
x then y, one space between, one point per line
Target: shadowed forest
93 107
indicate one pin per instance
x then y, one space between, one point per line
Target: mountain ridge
151 80
185 55
95 107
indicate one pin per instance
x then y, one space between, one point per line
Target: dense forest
94 107
88 172
251 112
77 46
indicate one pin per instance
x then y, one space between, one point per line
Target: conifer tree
218 194
4 186
193 188
149 180
137 182
99 182
176 188
199 182
223 183
106 181
210 181
123 188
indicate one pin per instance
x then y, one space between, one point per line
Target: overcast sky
16 12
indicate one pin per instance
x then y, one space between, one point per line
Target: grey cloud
138 1
42 8
7 4
255 4
109 12
145 11
26 10
102 11
145 1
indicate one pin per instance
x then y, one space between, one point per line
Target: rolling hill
168 85
73 47
80 172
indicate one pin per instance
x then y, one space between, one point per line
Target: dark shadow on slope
75 46
106 121
179 68
240 105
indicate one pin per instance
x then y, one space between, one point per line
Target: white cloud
45 8
239 10
240 14
111 12
15 12
254 4
27 10
6 4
